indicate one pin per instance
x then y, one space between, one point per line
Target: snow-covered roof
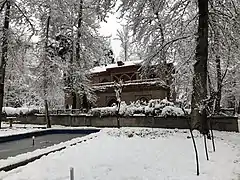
104 68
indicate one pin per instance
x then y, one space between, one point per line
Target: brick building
135 85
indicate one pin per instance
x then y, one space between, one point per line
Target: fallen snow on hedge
155 107
104 111
172 111
18 111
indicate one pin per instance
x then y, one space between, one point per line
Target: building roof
103 68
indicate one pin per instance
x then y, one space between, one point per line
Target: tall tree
124 36
47 118
4 55
88 47
222 46
199 95
11 12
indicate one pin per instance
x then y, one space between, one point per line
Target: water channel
13 148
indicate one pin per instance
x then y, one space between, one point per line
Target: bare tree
199 95
45 73
118 90
125 38
4 55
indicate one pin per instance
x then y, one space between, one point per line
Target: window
111 102
104 80
115 78
134 77
125 77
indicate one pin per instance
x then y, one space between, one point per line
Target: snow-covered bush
125 110
104 111
155 107
137 107
10 111
172 111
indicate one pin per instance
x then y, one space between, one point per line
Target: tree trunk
118 115
47 119
74 100
78 46
199 115
4 55
125 51
238 108
79 24
205 145
193 140
219 85
218 65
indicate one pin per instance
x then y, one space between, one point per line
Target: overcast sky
110 29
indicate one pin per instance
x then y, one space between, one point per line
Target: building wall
101 79
69 101
131 93
218 123
105 98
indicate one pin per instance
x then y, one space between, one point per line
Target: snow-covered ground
24 128
138 154
29 155
239 124
18 129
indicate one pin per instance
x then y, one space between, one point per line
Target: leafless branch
27 19
169 43
2 5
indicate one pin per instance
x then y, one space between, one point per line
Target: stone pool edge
41 132
27 160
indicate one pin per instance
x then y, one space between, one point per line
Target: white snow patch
25 156
138 154
17 111
99 69
18 129
25 128
172 111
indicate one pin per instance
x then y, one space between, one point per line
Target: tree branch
169 43
27 19
2 6
234 6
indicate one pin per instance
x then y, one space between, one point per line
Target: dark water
13 148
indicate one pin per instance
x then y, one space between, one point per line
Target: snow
172 111
138 154
18 111
155 107
104 111
25 128
239 124
29 155
100 69
18 129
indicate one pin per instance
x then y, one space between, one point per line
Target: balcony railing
132 81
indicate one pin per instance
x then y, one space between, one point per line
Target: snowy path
157 154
